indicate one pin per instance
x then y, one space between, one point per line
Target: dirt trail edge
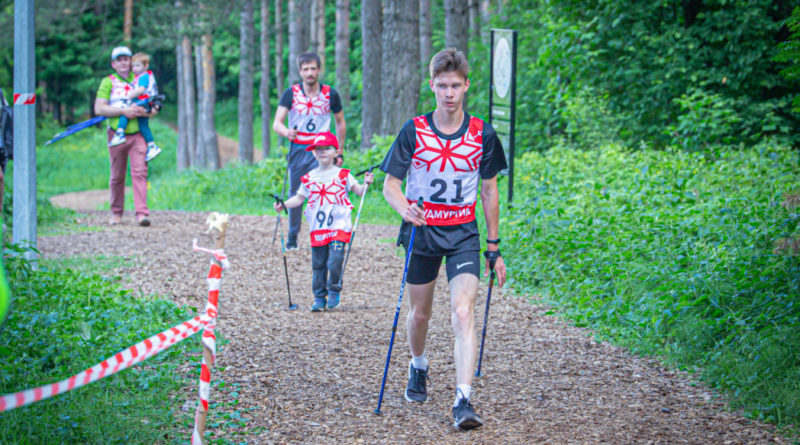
313 378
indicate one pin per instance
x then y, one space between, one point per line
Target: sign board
503 94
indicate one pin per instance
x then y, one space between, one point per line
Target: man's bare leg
421 298
463 289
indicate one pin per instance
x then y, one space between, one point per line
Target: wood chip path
313 378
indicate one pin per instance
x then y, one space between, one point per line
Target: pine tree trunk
298 35
343 50
485 16
263 87
279 74
401 70
181 154
317 30
425 34
189 101
246 42
456 25
200 162
209 98
322 41
127 24
371 57
456 28
474 20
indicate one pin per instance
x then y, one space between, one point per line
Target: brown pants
135 148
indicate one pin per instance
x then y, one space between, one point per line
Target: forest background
657 145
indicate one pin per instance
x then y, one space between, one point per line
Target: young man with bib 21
443 155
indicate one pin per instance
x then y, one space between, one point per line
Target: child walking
145 87
328 214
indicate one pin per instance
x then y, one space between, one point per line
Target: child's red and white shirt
329 208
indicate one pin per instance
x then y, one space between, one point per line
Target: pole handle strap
280 201
492 256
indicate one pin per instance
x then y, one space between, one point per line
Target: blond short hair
141 57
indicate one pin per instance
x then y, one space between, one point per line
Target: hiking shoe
464 417
152 151
333 300
143 221
319 304
117 139
291 243
416 390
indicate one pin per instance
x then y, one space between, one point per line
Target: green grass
70 314
80 161
65 319
671 253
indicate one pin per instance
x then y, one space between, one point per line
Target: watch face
502 67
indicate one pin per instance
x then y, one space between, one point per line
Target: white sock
462 392
420 362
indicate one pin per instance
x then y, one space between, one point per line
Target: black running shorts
424 269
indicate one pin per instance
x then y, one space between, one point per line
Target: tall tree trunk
425 34
298 36
246 42
209 98
456 28
485 16
127 24
401 71
371 31
189 101
456 25
200 157
317 30
343 50
263 87
474 20
279 46
182 154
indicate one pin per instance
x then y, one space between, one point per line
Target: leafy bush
640 59
671 253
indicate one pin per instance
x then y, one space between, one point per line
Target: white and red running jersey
151 89
444 172
329 208
310 116
119 92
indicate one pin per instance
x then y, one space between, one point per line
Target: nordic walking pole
283 189
355 226
492 257
283 249
397 311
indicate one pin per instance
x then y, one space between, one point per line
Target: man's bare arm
341 130
395 197
278 124
490 198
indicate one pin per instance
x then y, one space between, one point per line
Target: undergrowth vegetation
671 253
72 313
66 319
243 189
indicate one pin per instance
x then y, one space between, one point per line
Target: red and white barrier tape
219 262
24 98
122 360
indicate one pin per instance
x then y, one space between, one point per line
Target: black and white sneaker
416 390
464 417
